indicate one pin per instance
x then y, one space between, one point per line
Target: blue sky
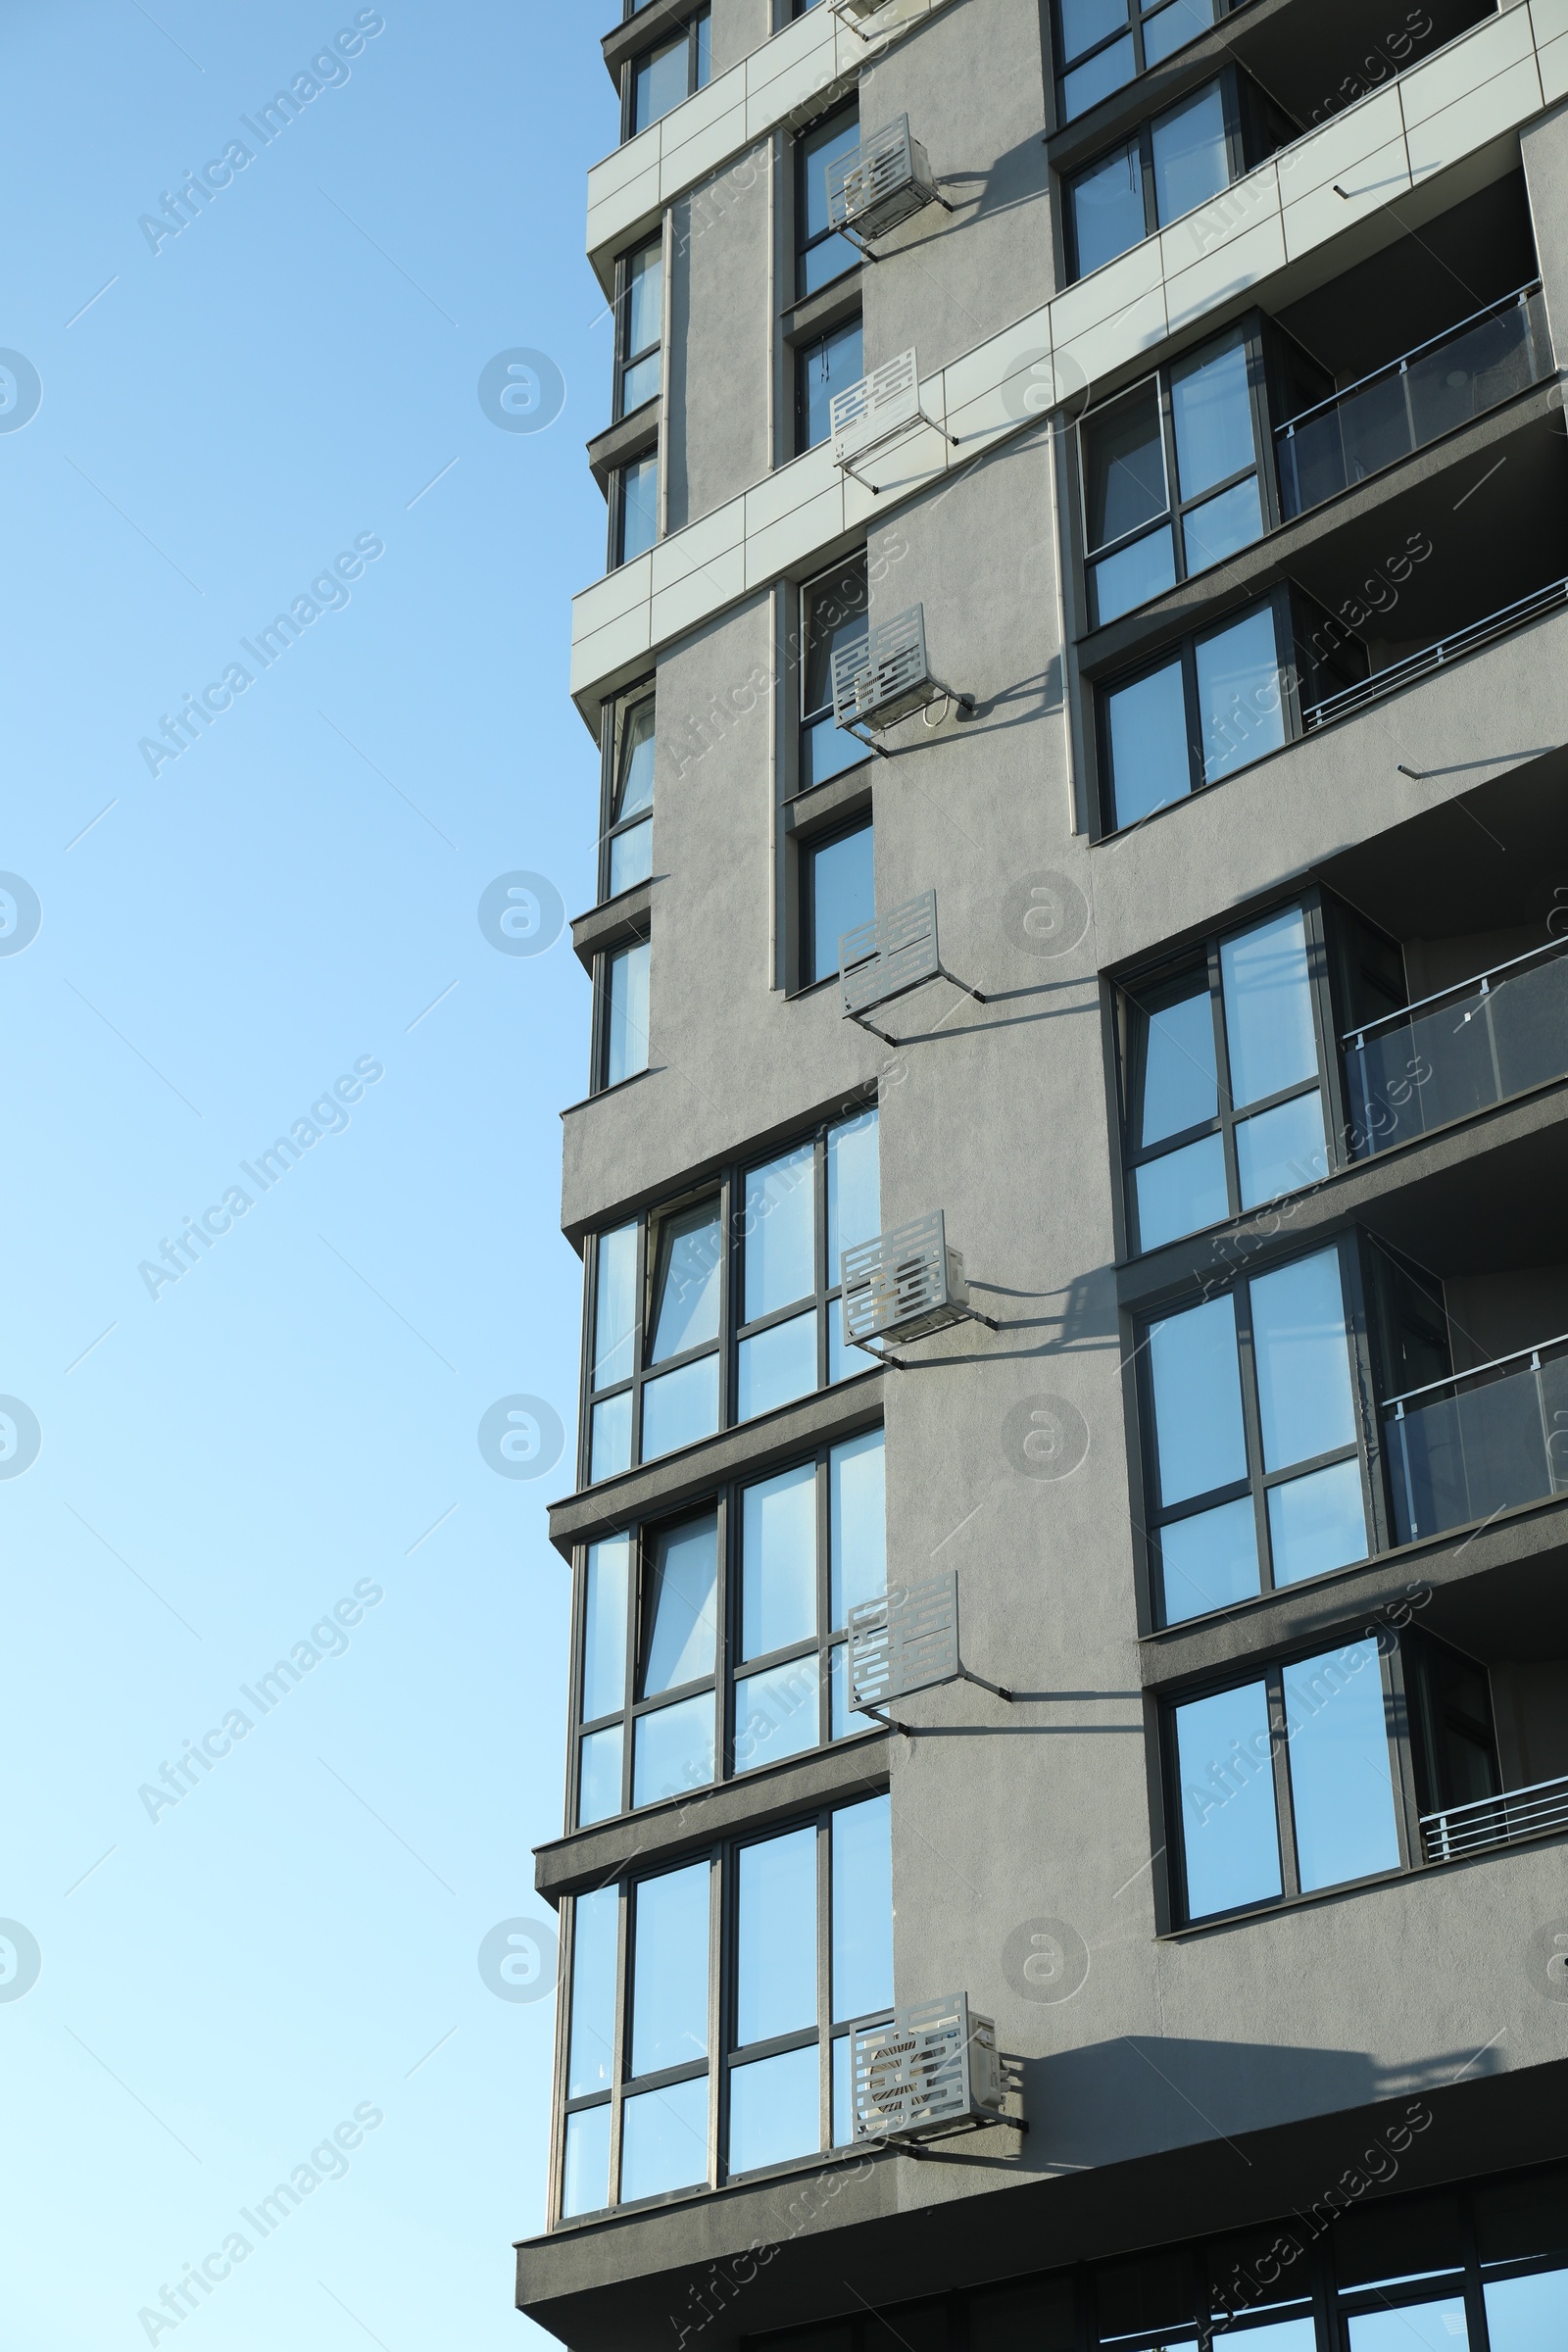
295 897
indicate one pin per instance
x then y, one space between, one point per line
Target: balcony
1459 1050
1511 1819
1478 1443
1435 388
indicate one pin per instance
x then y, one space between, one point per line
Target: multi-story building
1089 475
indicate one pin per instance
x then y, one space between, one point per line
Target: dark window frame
625 358
807 847
1248 136
697 54
617 714
806 241
1139 13
602 1082
802 353
619 506
807 719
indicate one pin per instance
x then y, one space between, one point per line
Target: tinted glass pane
1241 712
775 1365
1281 1150
1198 1400
1418 2327
599 1776
780 1230
674 1750
615 1305
1131 576
705 49
1212 415
1211 1560
669 1970
604 1640
631 856
828 750
645 299
775 1929
778 1713
1191 162
586 2187
1181 21
1303 1365
683 1578
1124 465
1341 1790
1086 22
853 1188
610 1448
863 1908
634 783
679 1407
1317 1523
1268 1008
1179 1087
1109 71
658 81
626 1027
639 506
1108 209
1528 2315
824 369
640 381
1182 1192
1220 526
778 1562
847 1720
663 2142
819 149
1146 723
835 616
775 2110
841 895
858 1523
688 1250
594 1925
1227 1800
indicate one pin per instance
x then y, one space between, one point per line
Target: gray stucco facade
1206 2071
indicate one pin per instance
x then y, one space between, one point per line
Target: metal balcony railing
1478 1443
1459 1050
1518 1814
1442 383
1439 656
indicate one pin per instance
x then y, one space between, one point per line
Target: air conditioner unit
906 1640
888 956
886 676
882 408
882 182
934 2068
903 1286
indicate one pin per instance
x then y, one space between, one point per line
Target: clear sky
293 1939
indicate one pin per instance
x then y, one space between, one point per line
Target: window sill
610 924
603 1093
632 437
816 314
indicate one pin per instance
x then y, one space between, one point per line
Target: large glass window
1104 44
662 77
821 253
639 326
628 822
634 509
806 1950
1177 161
1223 1075
834 615
1171 475
837 893
623 1013
741 1291
1256 1471
822 368
1286 1785
718 1638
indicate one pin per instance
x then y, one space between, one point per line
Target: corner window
662 77
823 255
1286 1785
715 1645
836 895
639 326
634 509
1179 159
1255 1471
822 368
674 2081
1223 1073
628 825
834 615
741 1298
1171 476
622 1013
1104 44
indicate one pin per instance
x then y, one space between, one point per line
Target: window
1255 1469
1104 44
834 615
1179 159
1223 1073
822 368
804 1920
1286 1785
1170 475
634 509
742 1288
639 326
719 1638
661 78
622 1013
823 255
629 829
836 894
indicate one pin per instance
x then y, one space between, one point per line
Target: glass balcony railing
1441 384
1478 1443
1518 1814
1459 1052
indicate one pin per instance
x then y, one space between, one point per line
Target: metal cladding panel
880 405
902 1283
886 676
890 953
906 1640
933 2064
